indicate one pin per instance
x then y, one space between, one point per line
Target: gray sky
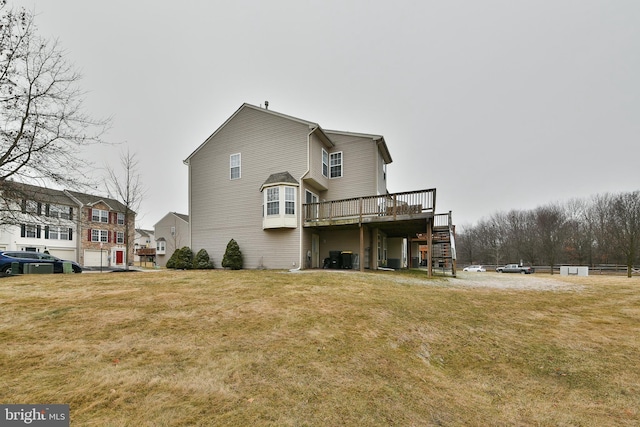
499 105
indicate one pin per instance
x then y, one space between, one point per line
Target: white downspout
300 221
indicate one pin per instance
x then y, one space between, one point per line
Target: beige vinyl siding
359 167
222 209
315 177
178 240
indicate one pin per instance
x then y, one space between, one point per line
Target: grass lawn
267 348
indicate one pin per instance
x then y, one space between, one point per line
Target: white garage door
65 254
92 258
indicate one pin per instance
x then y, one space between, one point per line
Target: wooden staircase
443 257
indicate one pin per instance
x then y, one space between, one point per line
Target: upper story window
120 237
120 218
234 166
325 163
58 211
31 206
335 161
99 215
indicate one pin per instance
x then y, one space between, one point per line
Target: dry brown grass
271 348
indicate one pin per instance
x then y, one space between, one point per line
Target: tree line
604 229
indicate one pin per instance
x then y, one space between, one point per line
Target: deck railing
407 203
442 220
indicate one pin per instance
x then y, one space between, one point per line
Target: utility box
37 268
66 267
568 270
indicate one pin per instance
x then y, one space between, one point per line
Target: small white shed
570 270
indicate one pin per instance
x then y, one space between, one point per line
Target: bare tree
625 232
125 186
551 226
42 124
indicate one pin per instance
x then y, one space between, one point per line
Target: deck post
430 247
361 248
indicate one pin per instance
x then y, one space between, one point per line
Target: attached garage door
92 258
65 254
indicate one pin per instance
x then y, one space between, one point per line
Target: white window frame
289 200
98 235
338 164
325 163
235 163
161 246
272 201
100 215
120 237
59 211
120 218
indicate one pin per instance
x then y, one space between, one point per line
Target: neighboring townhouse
171 233
144 247
294 195
38 219
104 231
71 225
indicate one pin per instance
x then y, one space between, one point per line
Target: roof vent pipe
266 105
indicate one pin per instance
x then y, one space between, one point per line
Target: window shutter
70 233
23 230
38 231
89 234
90 214
39 208
47 209
46 230
24 206
70 212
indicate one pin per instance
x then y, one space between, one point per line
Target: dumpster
37 268
347 259
334 259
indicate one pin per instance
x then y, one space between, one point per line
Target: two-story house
294 195
144 247
171 232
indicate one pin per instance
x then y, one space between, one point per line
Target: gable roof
314 127
91 200
378 139
180 216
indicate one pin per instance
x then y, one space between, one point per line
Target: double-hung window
335 161
325 163
120 218
273 201
120 237
99 235
289 200
234 166
99 215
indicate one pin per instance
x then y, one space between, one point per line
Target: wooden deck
407 206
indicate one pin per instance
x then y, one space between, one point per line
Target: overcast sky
499 105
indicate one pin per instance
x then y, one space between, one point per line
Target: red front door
119 257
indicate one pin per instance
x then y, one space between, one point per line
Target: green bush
182 259
202 260
232 256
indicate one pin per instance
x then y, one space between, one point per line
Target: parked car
515 268
27 257
477 268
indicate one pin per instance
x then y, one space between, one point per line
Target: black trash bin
334 259
347 259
